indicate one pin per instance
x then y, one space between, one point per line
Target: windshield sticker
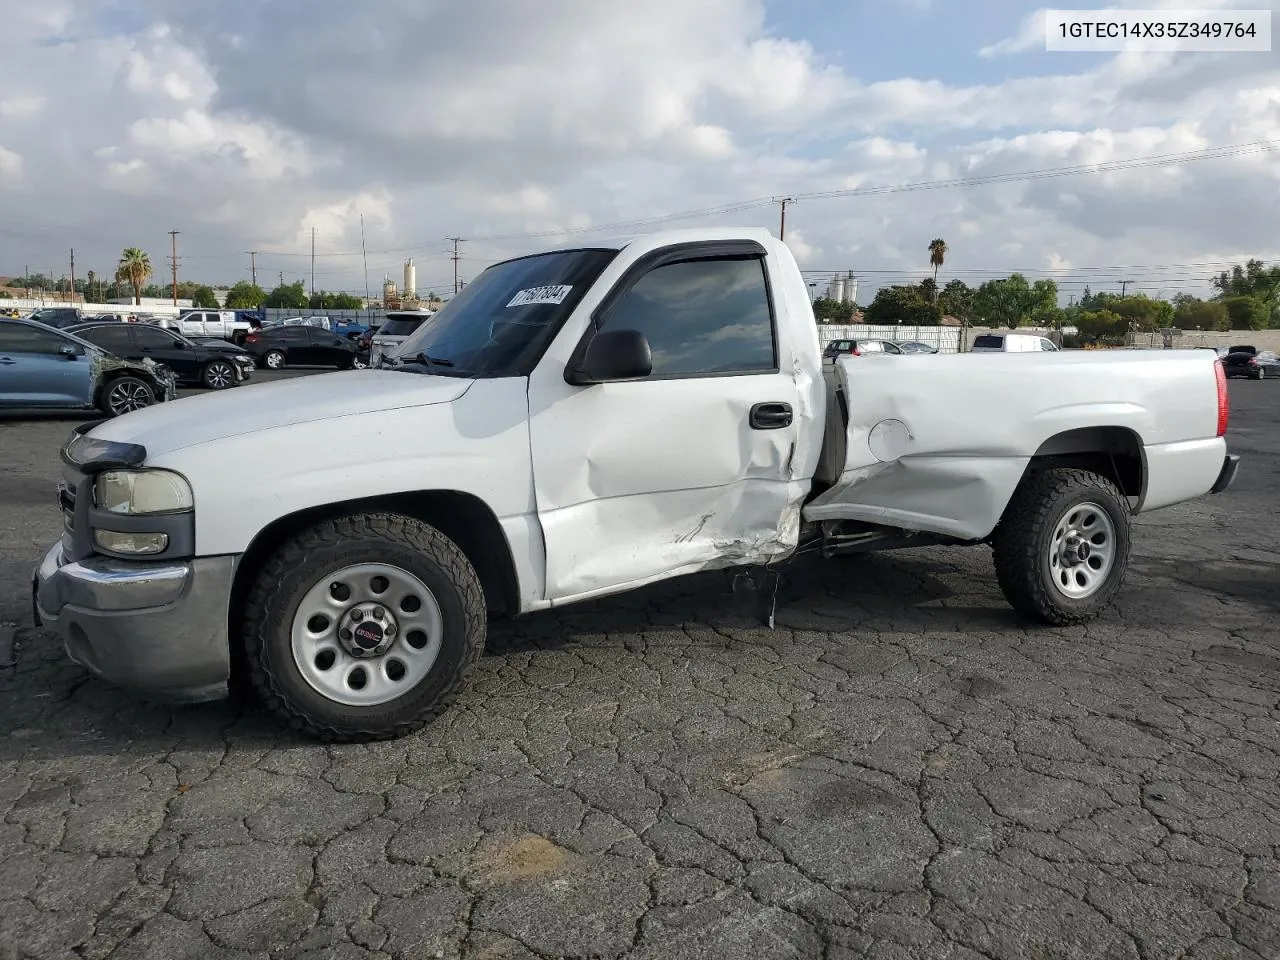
552 294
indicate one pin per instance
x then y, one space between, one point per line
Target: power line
455 258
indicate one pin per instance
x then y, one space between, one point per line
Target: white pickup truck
225 324
578 423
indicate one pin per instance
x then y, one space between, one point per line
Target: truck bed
939 442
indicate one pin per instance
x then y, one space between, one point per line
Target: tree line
134 271
1246 298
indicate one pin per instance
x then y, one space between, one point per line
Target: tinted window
18 338
400 326
153 337
114 338
701 316
291 334
989 340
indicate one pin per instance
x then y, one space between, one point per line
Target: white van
1011 343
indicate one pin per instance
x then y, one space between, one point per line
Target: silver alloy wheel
1082 551
358 364
126 396
218 375
275 360
367 634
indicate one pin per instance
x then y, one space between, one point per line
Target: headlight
135 492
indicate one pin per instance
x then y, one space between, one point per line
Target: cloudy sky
247 124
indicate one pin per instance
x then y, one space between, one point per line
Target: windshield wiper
433 361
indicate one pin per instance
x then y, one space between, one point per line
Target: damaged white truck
579 423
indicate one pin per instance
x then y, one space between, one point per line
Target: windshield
501 321
401 326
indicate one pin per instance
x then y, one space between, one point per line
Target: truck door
689 468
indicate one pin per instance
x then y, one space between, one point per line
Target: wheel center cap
368 635
368 630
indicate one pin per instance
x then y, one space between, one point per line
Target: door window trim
686 253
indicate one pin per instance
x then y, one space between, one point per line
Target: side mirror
612 355
69 351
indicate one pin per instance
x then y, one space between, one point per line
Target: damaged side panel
938 443
104 365
643 480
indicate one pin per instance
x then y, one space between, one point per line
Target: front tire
363 627
218 375
1062 548
126 394
274 360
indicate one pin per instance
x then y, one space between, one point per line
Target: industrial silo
836 290
410 280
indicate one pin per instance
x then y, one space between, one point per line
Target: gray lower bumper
155 627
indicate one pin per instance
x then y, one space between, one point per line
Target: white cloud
10 165
21 106
245 132
1030 33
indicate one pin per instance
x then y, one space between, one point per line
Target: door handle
770 416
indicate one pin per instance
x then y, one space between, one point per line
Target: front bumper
160 628
1227 476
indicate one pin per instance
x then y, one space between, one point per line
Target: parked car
216 367
1254 365
365 340
856 348
351 329
56 317
276 347
43 367
580 423
397 326
225 324
1012 343
915 346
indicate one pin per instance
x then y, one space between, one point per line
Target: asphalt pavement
900 769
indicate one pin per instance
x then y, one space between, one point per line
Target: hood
223 347
227 413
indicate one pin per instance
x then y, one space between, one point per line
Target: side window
152 337
1046 344
18 338
701 317
115 339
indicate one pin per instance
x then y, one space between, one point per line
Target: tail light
856 352
1253 361
1224 402
251 338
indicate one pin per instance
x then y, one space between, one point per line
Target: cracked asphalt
899 770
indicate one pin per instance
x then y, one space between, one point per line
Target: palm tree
937 254
134 269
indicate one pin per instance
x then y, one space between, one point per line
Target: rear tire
1062 548
274 360
304 670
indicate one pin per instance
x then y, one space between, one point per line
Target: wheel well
111 376
463 518
1113 452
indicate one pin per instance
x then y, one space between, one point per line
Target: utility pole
253 266
313 261
364 254
73 273
1123 284
456 241
173 259
282 278
782 220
